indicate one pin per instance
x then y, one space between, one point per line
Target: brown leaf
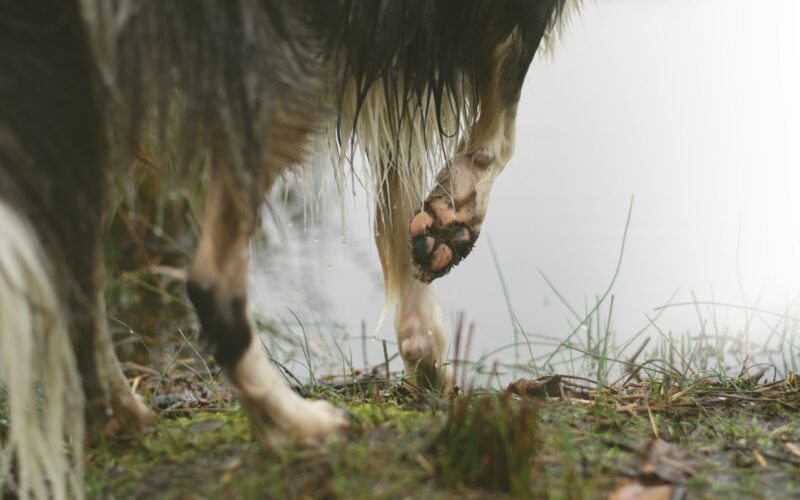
633 490
540 388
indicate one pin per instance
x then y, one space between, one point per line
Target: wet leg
217 288
419 322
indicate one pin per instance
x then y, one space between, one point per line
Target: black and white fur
424 90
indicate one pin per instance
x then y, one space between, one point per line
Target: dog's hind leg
444 231
111 404
419 323
218 289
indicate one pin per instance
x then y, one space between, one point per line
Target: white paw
314 422
417 349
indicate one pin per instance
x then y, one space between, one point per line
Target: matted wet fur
425 90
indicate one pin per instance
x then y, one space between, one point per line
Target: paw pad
437 246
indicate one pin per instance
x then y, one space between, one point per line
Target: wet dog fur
425 91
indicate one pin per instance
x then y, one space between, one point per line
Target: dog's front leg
217 287
419 322
444 231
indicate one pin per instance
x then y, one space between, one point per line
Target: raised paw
445 230
440 238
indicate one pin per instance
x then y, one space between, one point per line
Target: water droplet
344 242
374 338
316 240
130 331
289 225
330 267
430 333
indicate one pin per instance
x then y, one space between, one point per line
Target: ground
553 438
698 418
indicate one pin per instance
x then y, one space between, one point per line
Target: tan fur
572 10
414 151
221 256
419 323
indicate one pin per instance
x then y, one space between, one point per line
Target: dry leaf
539 388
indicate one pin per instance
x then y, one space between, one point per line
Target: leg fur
111 406
218 289
445 230
419 323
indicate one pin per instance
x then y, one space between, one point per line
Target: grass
488 441
407 443
585 433
704 415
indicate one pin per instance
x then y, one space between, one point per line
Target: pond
689 109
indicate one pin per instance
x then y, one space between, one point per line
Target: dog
422 89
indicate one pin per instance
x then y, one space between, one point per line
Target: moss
405 444
429 448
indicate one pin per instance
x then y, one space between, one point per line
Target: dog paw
319 421
440 237
421 339
445 230
301 421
